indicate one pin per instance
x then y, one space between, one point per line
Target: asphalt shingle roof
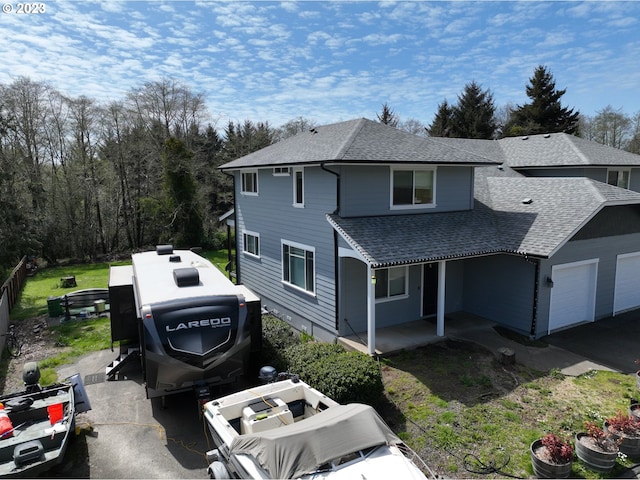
562 150
358 141
527 216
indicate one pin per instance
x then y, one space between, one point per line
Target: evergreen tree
545 113
180 189
388 117
443 122
474 115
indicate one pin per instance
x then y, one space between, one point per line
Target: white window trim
404 296
289 284
295 187
620 170
281 171
244 192
253 234
412 169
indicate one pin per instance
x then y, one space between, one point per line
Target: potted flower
551 457
597 448
626 429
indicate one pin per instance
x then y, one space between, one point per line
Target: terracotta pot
544 469
596 460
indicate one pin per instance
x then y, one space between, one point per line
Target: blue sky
329 61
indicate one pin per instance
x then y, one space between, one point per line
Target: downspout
336 260
536 290
235 214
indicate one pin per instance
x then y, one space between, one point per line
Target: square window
251 243
391 282
249 183
412 188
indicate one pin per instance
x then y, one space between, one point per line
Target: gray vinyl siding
604 249
366 190
500 288
272 215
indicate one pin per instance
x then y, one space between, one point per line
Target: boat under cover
287 429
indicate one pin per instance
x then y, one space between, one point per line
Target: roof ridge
351 137
575 148
456 147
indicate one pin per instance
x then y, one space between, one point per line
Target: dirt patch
38 343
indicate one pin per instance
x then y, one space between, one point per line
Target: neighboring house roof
526 216
562 150
358 141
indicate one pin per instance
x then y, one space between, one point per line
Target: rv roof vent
186 277
175 259
164 249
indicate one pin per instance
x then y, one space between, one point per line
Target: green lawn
83 336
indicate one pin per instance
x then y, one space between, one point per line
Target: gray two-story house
356 226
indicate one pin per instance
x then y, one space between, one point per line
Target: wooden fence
9 295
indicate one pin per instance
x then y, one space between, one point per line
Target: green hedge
346 377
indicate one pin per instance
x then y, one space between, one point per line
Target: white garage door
573 295
627 287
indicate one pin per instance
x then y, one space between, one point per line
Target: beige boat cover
299 448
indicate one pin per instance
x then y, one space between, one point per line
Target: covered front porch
418 333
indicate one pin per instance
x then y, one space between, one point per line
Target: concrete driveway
613 342
131 436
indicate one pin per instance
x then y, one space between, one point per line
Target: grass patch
32 301
488 419
75 339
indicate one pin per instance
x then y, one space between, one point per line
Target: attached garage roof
526 216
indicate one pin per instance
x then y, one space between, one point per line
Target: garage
627 284
573 295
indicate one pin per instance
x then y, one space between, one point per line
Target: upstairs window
619 177
298 188
281 171
412 188
249 183
391 283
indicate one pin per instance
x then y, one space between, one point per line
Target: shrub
603 440
277 336
558 450
624 424
344 376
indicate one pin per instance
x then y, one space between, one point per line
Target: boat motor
31 377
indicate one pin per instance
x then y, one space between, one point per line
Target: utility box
54 307
124 322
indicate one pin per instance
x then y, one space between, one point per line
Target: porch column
442 274
371 311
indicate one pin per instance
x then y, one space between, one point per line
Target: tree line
475 115
82 180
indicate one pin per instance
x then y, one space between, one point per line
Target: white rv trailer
194 328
